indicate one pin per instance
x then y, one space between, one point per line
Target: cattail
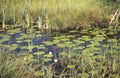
39 22
3 22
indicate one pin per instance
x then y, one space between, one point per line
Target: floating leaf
30 57
76 48
93 72
73 31
39 53
71 66
6 37
28 41
41 47
56 38
84 32
112 40
30 37
63 53
14 46
96 49
86 38
24 47
70 36
24 36
3 40
56 41
65 39
47 59
110 33
61 45
98 38
48 43
94 33
81 47
48 55
71 46
83 75
39 73
93 44
63 36
39 35
78 42
11 32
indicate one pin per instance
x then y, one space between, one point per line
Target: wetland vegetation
59 39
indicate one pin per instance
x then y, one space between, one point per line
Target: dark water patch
23 44
5 42
0 37
35 50
36 41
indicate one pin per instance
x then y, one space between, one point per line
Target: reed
60 13
3 21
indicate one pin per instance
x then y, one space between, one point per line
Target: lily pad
112 40
39 53
39 73
71 66
47 59
73 31
61 45
48 43
48 55
56 41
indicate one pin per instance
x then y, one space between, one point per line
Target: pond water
73 50
74 41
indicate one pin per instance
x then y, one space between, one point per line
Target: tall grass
11 67
61 13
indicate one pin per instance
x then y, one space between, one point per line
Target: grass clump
11 67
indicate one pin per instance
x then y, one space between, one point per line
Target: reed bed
59 13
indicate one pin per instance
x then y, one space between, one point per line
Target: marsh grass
55 13
12 67
88 53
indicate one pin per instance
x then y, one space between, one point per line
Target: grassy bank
56 13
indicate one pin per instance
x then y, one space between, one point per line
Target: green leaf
61 45
39 73
48 55
39 53
112 40
47 59
48 43
71 66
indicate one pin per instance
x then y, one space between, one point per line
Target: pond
88 46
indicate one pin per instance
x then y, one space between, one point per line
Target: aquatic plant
25 19
3 19
39 22
48 43
73 31
12 16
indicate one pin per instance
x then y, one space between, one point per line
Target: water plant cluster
87 53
